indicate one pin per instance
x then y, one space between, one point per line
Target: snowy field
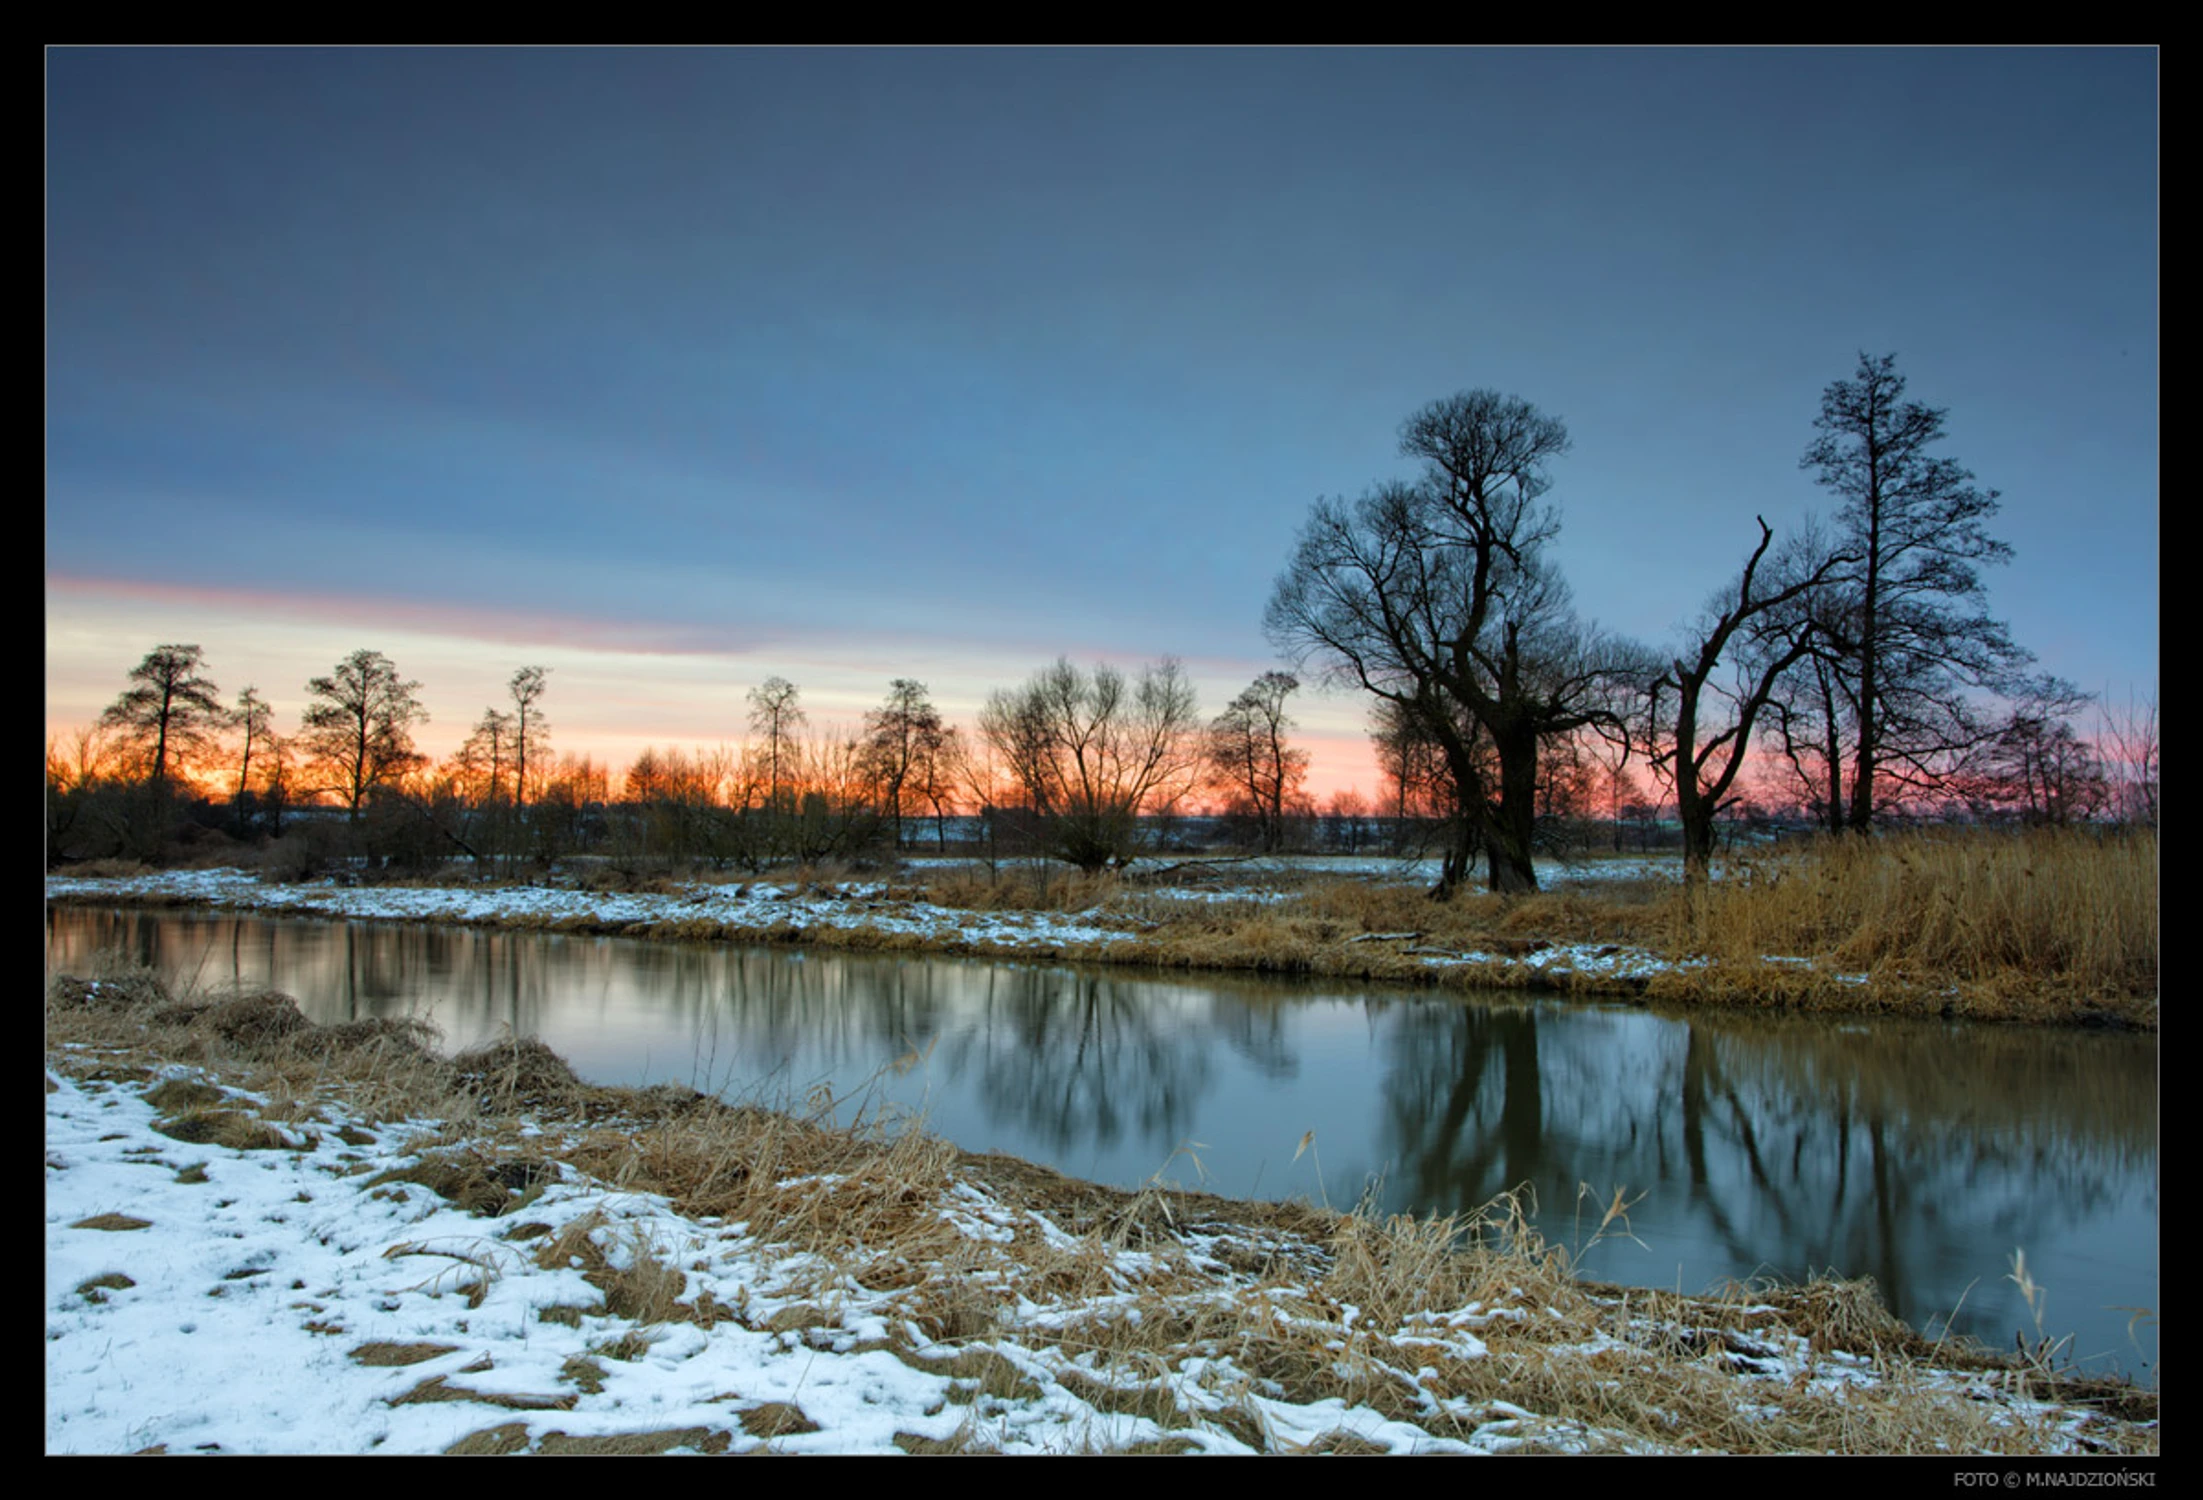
203 1299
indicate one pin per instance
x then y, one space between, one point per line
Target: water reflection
1921 1154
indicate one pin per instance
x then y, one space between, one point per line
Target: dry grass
439 1388
2041 926
183 1093
2002 915
385 1353
1040 885
773 1419
112 1222
106 869
492 1442
234 1129
514 1075
637 1444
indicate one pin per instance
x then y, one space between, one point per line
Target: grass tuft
230 1128
381 1353
637 1444
514 1075
492 1442
776 1419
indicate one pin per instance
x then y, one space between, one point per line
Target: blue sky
674 370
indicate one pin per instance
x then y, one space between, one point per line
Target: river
1923 1154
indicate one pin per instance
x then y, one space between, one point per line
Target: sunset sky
676 370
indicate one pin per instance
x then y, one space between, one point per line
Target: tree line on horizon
1068 765
1862 650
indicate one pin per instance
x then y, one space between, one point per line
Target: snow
250 1292
203 1299
848 905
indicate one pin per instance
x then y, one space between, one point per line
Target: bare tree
1909 638
1427 797
1093 754
170 713
775 715
484 757
980 778
1701 753
359 728
1437 598
1248 755
2036 767
527 688
937 775
570 807
903 741
688 804
1345 821
255 721
76 765
2128 738
836 816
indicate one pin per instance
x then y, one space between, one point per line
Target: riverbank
2012 930
267 1236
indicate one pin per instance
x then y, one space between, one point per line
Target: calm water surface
1921 1154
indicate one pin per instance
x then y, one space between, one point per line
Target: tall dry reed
2074 908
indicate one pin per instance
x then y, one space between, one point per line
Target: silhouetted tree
170 712
1908 636
1248 755
2128 739
255 722
1093 754
1703 748
2037 767
359 727
1437 597
484 758
775 715
903 740
527 688
1345 821
77 827
1426 797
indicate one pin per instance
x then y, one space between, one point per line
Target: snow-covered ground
220 1301
761 905
256 1305
202 1299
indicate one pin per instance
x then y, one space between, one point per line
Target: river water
1922 1154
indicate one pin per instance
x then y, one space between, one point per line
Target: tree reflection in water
1920 1154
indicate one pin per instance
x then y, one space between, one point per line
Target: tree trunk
1512 832
1697 818
1460 858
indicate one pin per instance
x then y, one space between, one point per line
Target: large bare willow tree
1437 598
